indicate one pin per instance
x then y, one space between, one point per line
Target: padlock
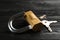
33 20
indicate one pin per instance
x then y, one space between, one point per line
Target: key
42 17
47 24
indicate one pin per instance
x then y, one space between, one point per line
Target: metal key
47 24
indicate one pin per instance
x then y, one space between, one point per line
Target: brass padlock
33 20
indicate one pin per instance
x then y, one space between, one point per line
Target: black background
10 7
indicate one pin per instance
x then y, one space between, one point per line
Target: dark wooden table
9 8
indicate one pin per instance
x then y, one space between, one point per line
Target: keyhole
45 22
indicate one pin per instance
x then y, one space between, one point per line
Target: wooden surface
11 7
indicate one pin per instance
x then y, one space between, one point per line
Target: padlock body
33 20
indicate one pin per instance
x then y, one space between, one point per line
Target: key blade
49 28
53 21
42 17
